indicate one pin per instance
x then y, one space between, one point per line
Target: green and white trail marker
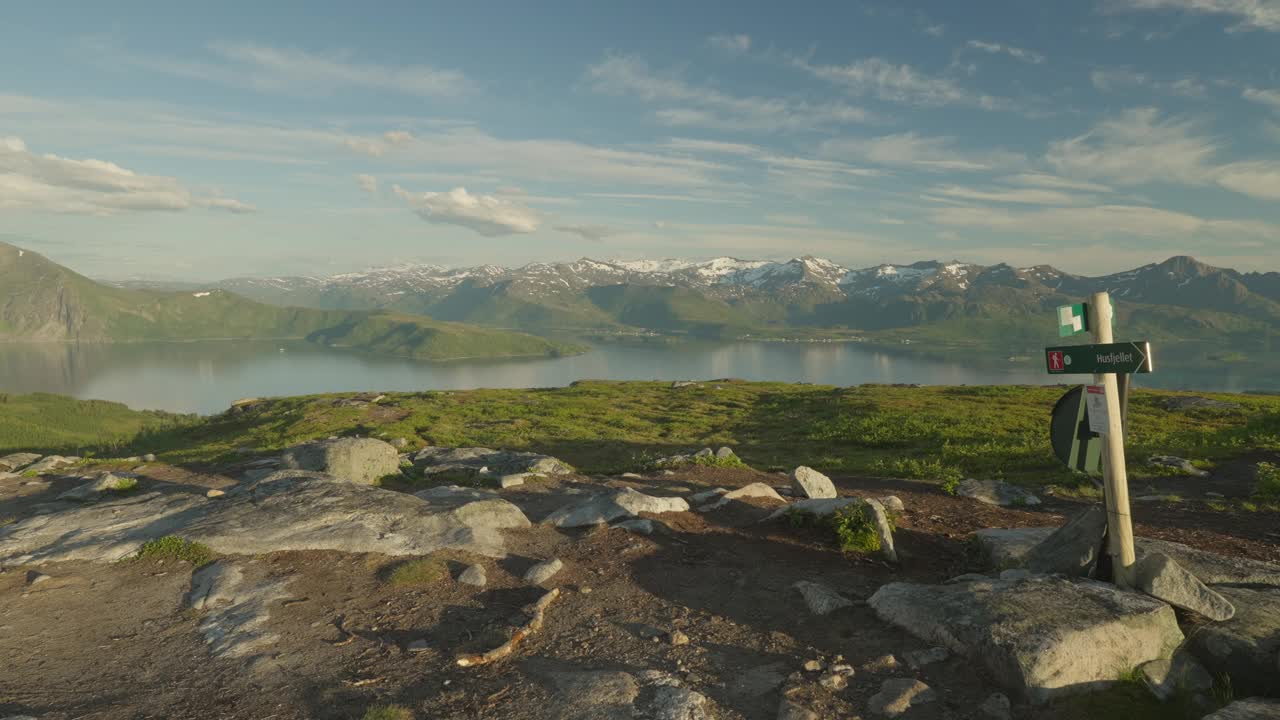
1073 319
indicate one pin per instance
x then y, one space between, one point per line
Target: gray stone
677 638
820 599
995 707
833 681
359 460
919 658
677 703
149 457
818 507
1014 574
418 646
899 695
454 494
50 462
996 492
1073 548
1180 464
699 498
288 510
1244 647
15 462
893 504
474 575
788 710
1181 674
640 526
704 453
607 507
1255 708
754 490
510 481
543 571
884 530
759 680
94 489
631 476
596 695
810 483
468 462
1159 576
725 453
236 610
34 577
1040 636
214 493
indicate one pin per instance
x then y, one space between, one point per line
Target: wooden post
1114 476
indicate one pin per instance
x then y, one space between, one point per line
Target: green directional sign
1073 319
1130 357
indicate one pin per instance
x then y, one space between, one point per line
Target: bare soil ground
117 641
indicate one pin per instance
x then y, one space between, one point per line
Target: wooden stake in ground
537 613
1114 476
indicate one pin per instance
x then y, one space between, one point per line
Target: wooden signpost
1102 405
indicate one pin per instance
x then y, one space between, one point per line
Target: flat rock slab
50 462
288 510
236 608
14 462
1246 646
472 461
898 695
619 695
1073 548
996 492
1249 709
1040 636
608 507
1008 547
1161 577
754 490
820 599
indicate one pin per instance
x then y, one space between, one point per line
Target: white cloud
486 214
64 185
594 233
1248 14
1126 79
1263 96
1258 179
708 107
913 150
367 183
1104 221
735 44
1136 148
899 83
1038 179
1030 196
1015 52
271 69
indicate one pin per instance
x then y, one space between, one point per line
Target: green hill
43 301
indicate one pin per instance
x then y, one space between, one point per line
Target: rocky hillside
43 301
1178 298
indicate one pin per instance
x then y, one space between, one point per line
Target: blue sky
206 140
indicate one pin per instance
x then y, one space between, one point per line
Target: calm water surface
205 377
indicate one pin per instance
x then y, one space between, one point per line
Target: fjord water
205 377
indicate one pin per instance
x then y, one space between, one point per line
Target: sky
200 141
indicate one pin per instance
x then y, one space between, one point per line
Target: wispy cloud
1246 14
735 44
914 150
1038 179
899 82
1263 96
488 215
1027 196
708 107
1104 221
1014 52
594 233
367 183
1126 79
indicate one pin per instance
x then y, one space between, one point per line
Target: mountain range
43 301
950 302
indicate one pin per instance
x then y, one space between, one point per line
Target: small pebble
418 646
814 666
678 638
832 681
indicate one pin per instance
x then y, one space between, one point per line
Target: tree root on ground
537 612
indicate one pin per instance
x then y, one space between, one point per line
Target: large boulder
754 490
472 461
1181 673
1159 576
1038 636
876 513
15 462
1245 647
288 510
809 483
49 463
1073 548
996 492
608 507
359 460
1248 709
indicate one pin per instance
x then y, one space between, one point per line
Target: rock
473 575
884 530
724 453
288 510
1073 548
676 703
1039 637
640 526
359 460
1157 575
893 504
149 458
215 493
236 609
513 480
400 443
35 577
995 707
704 453
418 646
94 489
596 694
632 476
607 507
677 638
1196 403
16 462
821 599
50 462
543 571
810 483
758 681
819 507
685 383
1166 678
814 666
754 490
883 663
996 492
701 497
1255 708
468 462
899 695
833 681
1246 646
919 658
1010 574
788 710
1178 464
454 494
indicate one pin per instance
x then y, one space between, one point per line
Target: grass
172 547
852 527
387 712
422 571
124 486
733 461
41 422
1267 485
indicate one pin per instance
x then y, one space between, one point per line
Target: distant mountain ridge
43 301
